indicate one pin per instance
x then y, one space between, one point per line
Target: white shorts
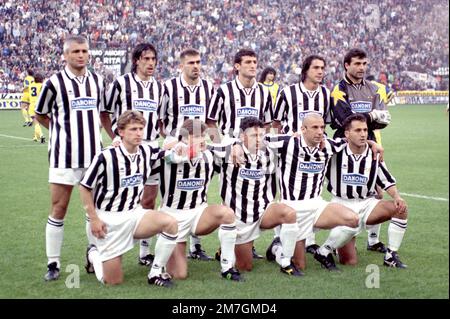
66 176
187 220
363 207
153 179
120 232
308 212
247 232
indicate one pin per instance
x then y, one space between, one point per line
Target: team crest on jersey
144 105
191 184
254 174
302 115
192 110
355 179
131 181
361 106
311 167
247 111
83 103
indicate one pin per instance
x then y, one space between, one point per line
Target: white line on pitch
426 197
16 137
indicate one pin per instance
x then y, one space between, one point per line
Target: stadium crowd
399 35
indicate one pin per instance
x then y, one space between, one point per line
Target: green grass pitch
416 151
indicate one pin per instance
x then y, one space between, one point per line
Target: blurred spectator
401 35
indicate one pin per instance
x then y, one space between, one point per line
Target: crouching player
111 192
353 174
184 188
249 190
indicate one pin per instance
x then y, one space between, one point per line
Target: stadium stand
400 35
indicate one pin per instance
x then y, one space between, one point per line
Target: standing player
303 163
25 101
138 90
73 97
249 190
267 79
300 99
34 91
111 192
239 98
184 190
353 175
352 95
186 97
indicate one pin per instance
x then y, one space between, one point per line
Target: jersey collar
241 86
347 79
72 76
185 84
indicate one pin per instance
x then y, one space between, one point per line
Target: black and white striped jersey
296 101
117 177
182 101
129 92
353 176
302 168
74 104
184 185
250 188
232 102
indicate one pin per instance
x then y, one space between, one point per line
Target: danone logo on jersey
251 173
355 179
83 103
302 115
247 111
192 110
131 181
144 105
190 184
311 167
361 106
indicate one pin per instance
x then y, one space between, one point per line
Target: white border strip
16 137
425 197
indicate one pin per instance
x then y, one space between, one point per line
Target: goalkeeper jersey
349 98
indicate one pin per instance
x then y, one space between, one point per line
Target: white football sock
194 240
165 244
144 247
396 231
227 238
54 235
373 234
338 237
276 231
288 237
94 258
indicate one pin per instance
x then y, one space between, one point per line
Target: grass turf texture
416 145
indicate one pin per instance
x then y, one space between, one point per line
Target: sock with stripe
94 258
338 237
227 238
194 240
164 247
54 234
373 234
144 247
310 240
396 231
288 237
